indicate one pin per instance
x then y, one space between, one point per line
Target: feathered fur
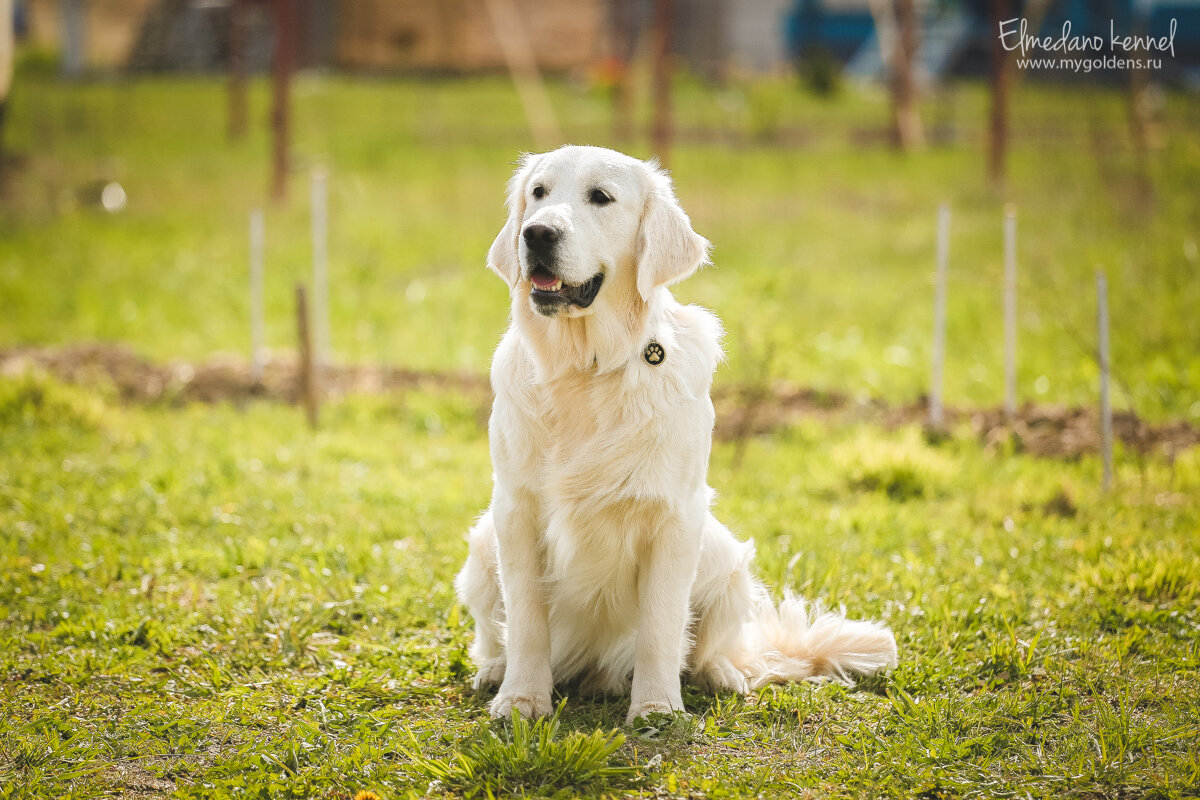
599 560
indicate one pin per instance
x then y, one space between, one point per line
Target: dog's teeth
557 285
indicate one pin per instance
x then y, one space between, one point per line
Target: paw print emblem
654 354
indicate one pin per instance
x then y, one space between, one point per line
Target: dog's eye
600 197
539 192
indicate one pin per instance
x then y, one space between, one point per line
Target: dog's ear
668 250
502 257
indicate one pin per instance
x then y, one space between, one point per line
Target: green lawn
217 602
214 601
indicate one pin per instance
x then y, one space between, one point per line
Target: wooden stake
1106 431
256 295
936 417
308 368
1010 311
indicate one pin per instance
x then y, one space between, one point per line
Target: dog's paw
720 674
491 673
645 709
527 705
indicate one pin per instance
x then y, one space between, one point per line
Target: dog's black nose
541 238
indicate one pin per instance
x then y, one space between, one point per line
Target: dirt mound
222 379
742 411
1042 430
1071 432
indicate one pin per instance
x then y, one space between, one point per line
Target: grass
216 602
824 237
527 758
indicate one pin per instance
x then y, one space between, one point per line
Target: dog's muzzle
541 239
550 294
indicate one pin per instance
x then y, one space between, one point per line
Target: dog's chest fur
608 453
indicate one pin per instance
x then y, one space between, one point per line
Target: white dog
598 558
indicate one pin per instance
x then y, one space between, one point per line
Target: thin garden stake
256 295
1010 311
320 255
939 317
1105 402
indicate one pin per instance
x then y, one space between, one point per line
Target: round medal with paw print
654 354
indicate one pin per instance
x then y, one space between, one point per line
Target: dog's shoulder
685 342
702 329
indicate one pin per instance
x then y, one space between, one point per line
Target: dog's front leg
664 586
527 678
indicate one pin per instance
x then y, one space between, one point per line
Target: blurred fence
713 37
376 35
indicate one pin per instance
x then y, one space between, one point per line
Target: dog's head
585 222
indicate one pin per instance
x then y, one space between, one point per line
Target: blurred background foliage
783 153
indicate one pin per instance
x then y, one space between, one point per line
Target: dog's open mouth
550 294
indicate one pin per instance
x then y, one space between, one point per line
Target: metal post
1105 401
320 247
257 238
936 419
1010 311
308 368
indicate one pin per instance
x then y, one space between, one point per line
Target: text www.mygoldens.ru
1014 35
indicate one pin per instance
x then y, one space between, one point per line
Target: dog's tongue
543 279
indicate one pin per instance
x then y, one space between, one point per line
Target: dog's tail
793 642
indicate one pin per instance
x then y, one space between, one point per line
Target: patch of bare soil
742 411
222 379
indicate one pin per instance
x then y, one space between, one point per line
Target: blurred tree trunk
513 37
896 31
1001 80
623 27
1141 115
74 37
8 46
237 69
661 128
908 131
285 61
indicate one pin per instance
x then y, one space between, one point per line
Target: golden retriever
598 559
